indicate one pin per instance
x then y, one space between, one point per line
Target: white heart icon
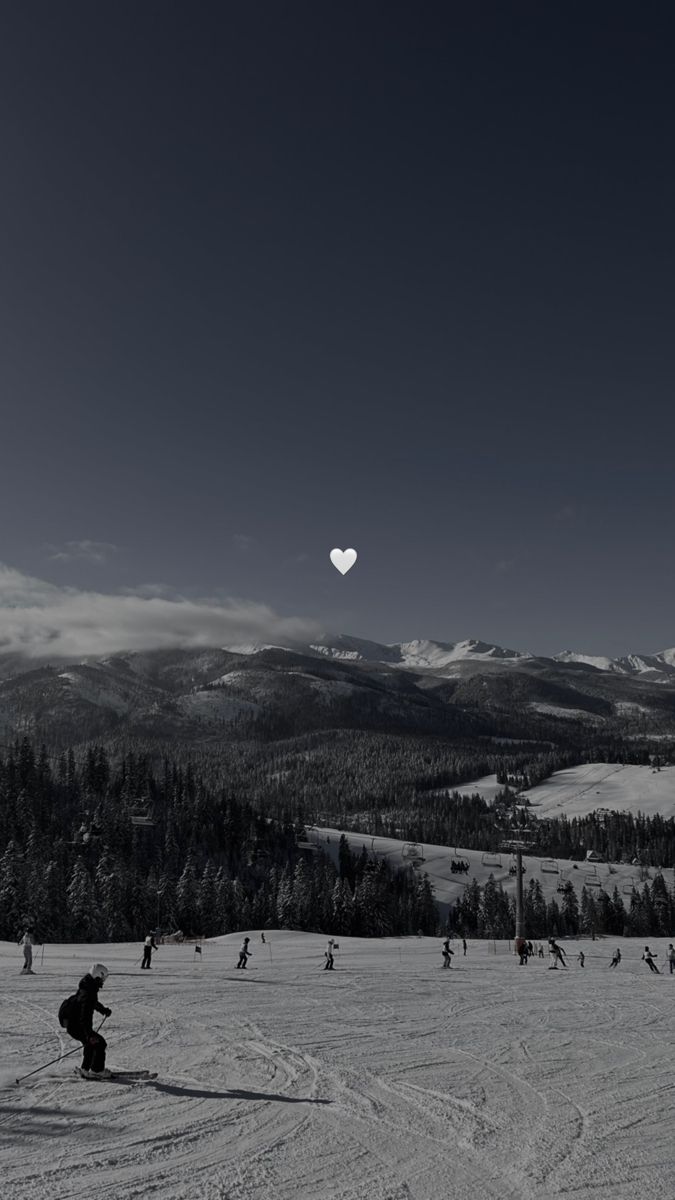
343 560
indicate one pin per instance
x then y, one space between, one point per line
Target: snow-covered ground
486 786
578 791
388 1079
448 886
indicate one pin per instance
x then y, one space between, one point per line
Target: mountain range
458 688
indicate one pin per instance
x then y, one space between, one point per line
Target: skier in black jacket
80 1024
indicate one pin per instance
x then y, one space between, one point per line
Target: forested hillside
92 851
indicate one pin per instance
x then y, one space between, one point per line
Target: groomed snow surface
578 791
388 1079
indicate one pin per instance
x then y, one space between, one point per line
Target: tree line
489 912
96 852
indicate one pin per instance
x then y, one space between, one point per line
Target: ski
134 1074
120 1076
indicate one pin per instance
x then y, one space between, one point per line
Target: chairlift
549 866
85 835
413 851
491 860
592 881
628 886
142 820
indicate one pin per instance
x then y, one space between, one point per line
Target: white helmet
98 971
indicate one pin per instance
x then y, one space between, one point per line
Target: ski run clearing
437 863
578 791
387 1079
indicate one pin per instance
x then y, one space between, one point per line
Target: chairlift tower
518 841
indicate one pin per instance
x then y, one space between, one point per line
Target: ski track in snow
389 1079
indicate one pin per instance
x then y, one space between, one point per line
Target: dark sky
277 277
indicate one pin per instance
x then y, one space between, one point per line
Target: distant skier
328 955
541 951
447 953
262 937
521 951
148 946
671 958
464 945
648 957
27 940
77 1017
530 949
244 954
557 954
616 958
581 958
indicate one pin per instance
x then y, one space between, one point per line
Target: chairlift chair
549 866
491 860
142 820
412 850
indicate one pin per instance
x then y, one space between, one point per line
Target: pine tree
570 909
12 872
80 903
342 906
285 906
187 911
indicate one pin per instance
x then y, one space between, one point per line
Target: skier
530 950
648 957
521 951
541 951
262 937
616 958
244 953
148 947
80 1018
447 953
464 945
671 957
556 954
27 940
328 955
582 958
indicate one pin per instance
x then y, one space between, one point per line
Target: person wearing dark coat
81 1024
148 946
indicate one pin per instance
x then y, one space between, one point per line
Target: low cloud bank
39 619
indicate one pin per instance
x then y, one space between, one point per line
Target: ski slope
437 864
388 1079
578 791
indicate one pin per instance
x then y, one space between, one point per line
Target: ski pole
42 956
54 1060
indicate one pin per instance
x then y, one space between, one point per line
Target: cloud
39 619
93 552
